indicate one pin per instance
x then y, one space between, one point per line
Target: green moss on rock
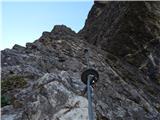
13 82
5 101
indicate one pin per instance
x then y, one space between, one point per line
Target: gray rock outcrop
41 81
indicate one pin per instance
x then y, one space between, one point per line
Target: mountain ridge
42 81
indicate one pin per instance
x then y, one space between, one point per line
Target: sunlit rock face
42 81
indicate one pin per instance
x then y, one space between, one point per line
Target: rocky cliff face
125 29
42 80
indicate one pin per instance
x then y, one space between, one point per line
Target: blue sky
24 22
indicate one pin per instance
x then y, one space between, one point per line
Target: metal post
89 92
89 77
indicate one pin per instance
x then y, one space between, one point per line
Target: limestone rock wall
41 81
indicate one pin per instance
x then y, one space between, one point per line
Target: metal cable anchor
89 77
